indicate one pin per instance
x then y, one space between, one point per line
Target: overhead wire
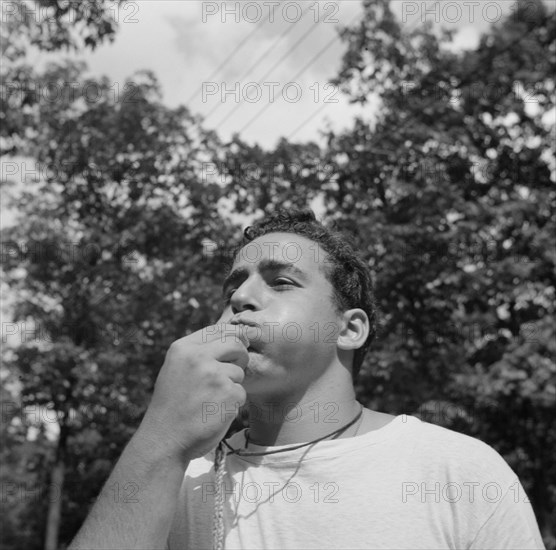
306 66
259 60
230 56
315 113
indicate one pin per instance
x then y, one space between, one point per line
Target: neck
300 419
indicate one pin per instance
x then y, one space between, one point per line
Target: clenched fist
206 367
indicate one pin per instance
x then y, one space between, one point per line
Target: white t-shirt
407 485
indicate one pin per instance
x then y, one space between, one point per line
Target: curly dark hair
346 271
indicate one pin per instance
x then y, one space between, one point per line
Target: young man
314 469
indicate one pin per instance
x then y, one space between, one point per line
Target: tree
46 26
256 181
108 267
106 247
448 192
451 193
120 202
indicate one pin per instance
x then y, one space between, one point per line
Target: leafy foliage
43 26
448 191
451 192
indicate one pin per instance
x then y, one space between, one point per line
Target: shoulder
451 451
452 441
488 507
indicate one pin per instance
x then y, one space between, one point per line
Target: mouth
245 322
251 330
253 348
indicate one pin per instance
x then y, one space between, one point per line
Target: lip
248 323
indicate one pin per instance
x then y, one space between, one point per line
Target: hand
198 388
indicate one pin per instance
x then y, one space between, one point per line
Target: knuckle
240 394
214 379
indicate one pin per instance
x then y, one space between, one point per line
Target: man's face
277 283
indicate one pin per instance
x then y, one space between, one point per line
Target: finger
240 395
239 337
236 354
225 332
234 372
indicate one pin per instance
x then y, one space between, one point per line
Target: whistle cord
219 467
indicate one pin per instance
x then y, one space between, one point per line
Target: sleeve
511 525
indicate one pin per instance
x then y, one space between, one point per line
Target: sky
260 68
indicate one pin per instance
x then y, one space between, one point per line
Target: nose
247 296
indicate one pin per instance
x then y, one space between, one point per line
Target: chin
258 376
253 367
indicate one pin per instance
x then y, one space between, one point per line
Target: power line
217 70
315 113
307 120
260 59
302 39
307 65
409 29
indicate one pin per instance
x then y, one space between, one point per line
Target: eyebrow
265 265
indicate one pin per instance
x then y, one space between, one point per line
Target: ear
355 329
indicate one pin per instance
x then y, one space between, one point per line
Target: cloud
234 45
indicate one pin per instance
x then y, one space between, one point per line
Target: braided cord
241 452
218 520
220 466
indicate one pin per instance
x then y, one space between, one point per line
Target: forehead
283 248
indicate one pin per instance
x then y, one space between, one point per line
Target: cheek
308 328
293 325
